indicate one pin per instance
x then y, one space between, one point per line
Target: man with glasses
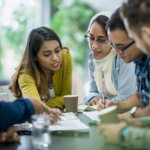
127 50
132 132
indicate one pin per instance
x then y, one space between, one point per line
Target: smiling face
120 39
99 50
50 55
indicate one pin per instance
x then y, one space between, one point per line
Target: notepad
68 122
93 115
107 115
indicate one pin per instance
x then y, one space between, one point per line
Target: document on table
93 115
68 122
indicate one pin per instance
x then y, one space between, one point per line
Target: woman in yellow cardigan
45 71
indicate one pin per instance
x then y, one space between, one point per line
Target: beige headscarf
103 67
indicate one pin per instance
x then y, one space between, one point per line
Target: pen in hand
104 103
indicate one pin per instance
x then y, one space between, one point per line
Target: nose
94 44
54 57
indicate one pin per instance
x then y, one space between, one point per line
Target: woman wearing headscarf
110 77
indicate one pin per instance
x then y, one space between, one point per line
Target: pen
103 100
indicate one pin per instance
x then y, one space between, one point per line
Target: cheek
106 48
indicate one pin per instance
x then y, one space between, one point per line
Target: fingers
100 105
94 101
9 135
55 115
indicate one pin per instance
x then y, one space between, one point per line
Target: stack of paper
93 115
68 122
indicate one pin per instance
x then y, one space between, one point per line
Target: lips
96 52
56 65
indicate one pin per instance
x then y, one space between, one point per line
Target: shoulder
66 55
25 76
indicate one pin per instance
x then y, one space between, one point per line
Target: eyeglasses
121 49
91 38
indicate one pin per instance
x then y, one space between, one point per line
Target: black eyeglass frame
120 50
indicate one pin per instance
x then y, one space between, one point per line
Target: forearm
57 102
145 121
15 112
141 112
129 103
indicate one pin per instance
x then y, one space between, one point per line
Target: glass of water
41 137
4 97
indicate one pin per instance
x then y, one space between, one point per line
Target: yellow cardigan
62 81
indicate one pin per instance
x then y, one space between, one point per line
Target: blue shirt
143 79
18 111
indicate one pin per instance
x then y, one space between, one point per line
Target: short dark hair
115 22
137 13
101 20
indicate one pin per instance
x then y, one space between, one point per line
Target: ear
145 31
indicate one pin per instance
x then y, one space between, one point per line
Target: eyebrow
51 50
100 36
119 44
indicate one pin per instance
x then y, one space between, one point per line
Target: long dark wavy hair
28 62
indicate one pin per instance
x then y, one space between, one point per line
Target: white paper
68 122
93 115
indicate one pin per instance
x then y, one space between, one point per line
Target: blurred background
68 18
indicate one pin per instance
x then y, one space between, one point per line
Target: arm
137 138
18 111
129 103
126 79
141 112
124 105
93 91
131 137
62 82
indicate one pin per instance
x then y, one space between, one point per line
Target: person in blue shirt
117 35
20 111
133 132
107 70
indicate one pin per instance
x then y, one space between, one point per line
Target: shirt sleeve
28 86
145 121
15 112
93 91
125 72
137 138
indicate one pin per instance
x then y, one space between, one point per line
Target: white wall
105 5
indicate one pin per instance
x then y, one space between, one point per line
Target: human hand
94 101
40 108
101 105
123 116
131 121
54 114
9 135
108 132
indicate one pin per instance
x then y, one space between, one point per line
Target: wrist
123 137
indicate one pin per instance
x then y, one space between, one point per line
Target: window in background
15 26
